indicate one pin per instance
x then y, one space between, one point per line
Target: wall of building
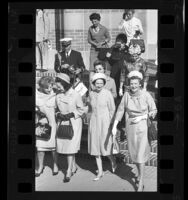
76 23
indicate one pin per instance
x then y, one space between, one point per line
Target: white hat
64 77
98 76
135 73
66 41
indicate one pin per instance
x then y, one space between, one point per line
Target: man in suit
69 60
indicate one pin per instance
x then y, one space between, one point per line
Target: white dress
46 104
130 26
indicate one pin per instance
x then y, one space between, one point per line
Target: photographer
116 56
69 61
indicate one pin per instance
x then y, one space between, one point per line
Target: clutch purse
43 131
152 130
65 131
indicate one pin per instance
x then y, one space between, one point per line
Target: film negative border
22 96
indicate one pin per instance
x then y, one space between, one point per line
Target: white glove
120 92
108 54
139 118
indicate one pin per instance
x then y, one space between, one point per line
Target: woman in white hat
71 108
138 105
99 137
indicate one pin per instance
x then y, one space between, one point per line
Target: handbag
65 131
43 131
140 42
152 130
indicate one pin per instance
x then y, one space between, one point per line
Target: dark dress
117 62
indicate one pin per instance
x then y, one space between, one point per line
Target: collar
100 26
69 52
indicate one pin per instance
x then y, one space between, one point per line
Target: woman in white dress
131 25
45 103
100 138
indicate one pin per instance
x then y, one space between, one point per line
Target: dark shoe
66 179
39 173
55 173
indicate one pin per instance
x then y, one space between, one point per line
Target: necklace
96 30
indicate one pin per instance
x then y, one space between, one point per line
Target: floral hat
134 49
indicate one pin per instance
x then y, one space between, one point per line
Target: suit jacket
75 59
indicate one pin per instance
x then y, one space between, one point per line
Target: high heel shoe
67 178
137 180
114 168
39 173
140 190
54 173
74 171
98 177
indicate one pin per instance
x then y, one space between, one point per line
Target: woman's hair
45 81
126 11
98 62
121 37
136 77
66 85
104 81
94 16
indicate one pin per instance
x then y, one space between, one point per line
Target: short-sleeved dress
136 105
46 104
99 134
67 103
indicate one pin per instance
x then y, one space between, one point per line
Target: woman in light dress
100 67
139 105
45 103
99 133
70 105
131 25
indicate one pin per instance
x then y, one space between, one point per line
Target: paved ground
122 180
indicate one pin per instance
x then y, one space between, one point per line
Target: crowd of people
109 98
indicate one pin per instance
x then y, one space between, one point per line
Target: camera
117 46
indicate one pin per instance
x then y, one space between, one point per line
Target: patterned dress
136 105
